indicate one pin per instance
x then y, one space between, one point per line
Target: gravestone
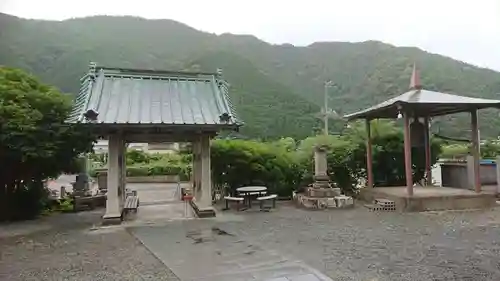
102 180
81 185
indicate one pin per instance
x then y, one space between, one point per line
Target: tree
35 143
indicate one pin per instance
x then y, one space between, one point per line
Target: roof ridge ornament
91 115
415 79
92 69
225 118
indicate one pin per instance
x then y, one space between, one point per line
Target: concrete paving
204 252
159 203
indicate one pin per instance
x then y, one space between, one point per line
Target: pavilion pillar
427 148
475 150
498 174
113 211
407 149
369 156
205 197
192 178
196 168
123 172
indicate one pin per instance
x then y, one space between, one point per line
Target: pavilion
130 105
418 103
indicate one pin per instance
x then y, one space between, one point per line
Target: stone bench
238 201
263 199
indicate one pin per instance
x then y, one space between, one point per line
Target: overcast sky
463 29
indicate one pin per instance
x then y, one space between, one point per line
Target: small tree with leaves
35 143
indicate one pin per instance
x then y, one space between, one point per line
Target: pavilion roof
423 103
131 96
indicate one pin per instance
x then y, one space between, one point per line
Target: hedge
285 165
141 164
282 167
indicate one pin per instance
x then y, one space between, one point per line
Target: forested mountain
275 88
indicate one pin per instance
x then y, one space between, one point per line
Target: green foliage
490 149
455 151
240 163
140 164
136 156
388 152
275 88
282 168
63 205
34 141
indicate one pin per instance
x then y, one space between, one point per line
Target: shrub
26 201
490 149
455 151
388 158
160 169
137 171
237 163
34 141
343 159
136 156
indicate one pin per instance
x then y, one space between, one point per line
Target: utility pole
326 112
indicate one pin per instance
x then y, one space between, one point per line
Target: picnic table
251 191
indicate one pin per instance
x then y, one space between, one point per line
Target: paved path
159 202
218 256
204 252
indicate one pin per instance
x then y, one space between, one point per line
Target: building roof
130 96
423 103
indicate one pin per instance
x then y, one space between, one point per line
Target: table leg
249 201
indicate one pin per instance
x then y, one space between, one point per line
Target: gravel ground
360 245
345 244
70 250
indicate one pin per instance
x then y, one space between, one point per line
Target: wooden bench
131 204
267 198
238 201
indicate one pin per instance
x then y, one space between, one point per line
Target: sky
462 29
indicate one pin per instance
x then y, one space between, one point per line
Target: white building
168 147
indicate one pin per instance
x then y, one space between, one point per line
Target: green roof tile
128 96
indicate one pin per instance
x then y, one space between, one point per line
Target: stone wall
454 174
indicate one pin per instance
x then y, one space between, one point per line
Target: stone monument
322 193
81 185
